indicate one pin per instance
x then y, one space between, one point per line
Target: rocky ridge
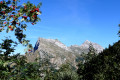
84 47
58 53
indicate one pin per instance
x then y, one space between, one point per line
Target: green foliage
119 31
86 57
105 66
67 73
10 18
15 67
64 73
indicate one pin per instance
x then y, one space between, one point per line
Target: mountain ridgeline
58 53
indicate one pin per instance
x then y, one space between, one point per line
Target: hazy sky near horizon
74 21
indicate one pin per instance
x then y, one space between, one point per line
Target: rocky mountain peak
87 42
84 47
49 42
58 53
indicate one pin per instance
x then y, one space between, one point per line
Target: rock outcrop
84 47
58 53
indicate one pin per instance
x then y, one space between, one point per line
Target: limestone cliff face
58 53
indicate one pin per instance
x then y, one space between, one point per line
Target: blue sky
74 21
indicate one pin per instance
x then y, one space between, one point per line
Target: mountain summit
48 42
97 47
84 47
87 42
58 53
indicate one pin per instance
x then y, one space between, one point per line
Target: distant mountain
58 53
84 47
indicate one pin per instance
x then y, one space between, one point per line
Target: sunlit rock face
58 53
84 47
